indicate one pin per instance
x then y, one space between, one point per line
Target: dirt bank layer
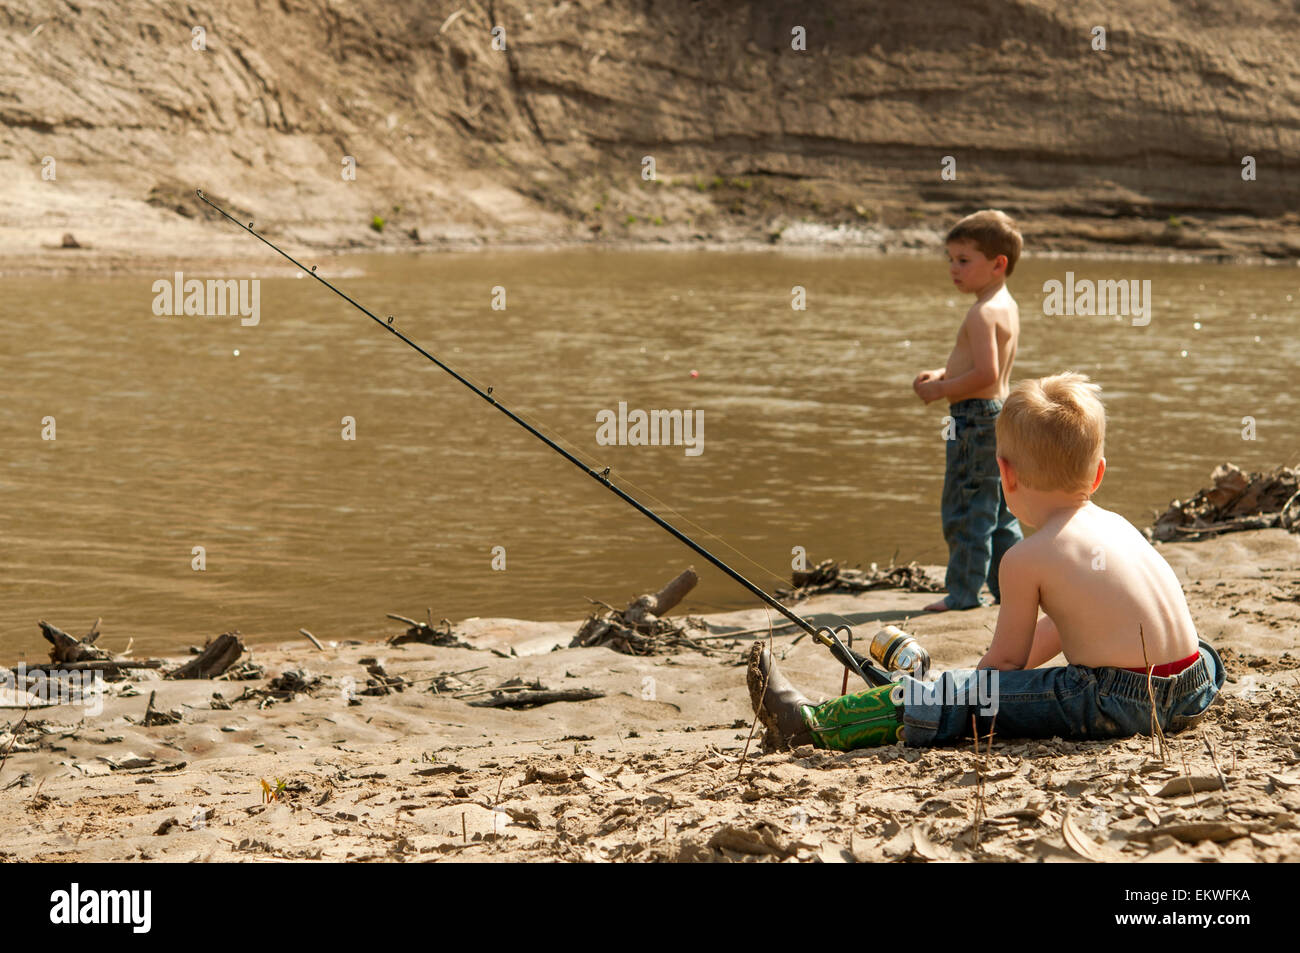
403 124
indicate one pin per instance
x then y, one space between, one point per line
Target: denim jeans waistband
1131 685
975 405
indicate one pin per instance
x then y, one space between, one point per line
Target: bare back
1099 580
1001 312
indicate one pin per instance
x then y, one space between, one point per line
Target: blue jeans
977 525
1065 701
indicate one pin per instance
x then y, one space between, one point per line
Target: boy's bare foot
776 701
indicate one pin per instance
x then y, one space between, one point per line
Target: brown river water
167 440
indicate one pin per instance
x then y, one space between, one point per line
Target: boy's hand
927 393
929 389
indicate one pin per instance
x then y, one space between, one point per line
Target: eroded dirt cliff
111 114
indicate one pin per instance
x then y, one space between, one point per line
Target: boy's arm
1018 615
1047 643
982 337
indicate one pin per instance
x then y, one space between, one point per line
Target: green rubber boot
866 719
863 720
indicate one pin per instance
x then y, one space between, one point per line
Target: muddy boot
780 706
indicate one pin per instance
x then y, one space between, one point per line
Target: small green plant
744 184
599 206
269 793
717 182
1175 221
701 185
631 220
657 220
377 223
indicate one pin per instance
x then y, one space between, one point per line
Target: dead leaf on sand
1191 833
1185 784
762 839
927 848
832 853
1079 842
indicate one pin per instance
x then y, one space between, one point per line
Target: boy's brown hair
993 232
1053 431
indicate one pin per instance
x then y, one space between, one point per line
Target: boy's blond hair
1053 431
993 233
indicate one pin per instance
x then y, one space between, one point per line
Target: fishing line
823 634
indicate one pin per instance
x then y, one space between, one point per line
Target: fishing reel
892 649
897 651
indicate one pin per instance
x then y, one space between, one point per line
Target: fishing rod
856 663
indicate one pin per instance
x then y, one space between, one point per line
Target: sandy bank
652 769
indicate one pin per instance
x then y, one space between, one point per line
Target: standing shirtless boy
982 252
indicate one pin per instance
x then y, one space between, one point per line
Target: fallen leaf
1191 833
1269 840
832 853
900 844
546 775
926 847
130 760
1185 784
526 816
761 840
1077 841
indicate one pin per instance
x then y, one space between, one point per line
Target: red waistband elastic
1169 669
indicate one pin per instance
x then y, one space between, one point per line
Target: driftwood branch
829 576
645 610
1235 501
217 656
64 648
640 629
427 633
108 665
531 699
155 716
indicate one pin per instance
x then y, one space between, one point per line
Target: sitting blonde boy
1112 606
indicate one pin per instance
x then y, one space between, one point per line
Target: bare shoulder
1001 309
1029 552
1109 529
1117 523
981 315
